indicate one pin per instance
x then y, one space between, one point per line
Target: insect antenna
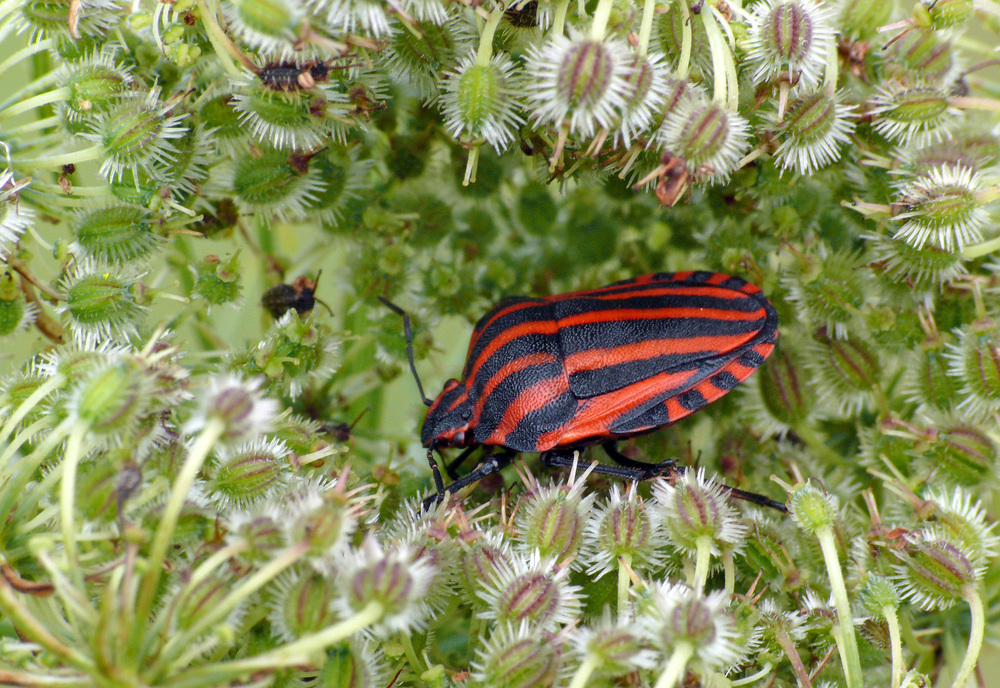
328 310
409 344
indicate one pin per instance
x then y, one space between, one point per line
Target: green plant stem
294 653
684 61
485 52
53 160
646 26
624 564
720 93
24 53
225 49
599 22
702 557
26 467
559 19
978 627
23 410
981 249
584 672
416 666
67 502
729 568
164 533
55 96
674 671
785 641
247 587
847 643
896 645
31 628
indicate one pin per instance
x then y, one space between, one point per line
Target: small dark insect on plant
341 431
290 76
300 295
559 373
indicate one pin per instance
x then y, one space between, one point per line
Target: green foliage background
885 382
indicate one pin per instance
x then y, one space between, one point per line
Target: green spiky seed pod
245 476
268 24
94 87
966 454
417 58
975 361
265 182
876 594
197 601
553 520
813 129
934 571
942 208
481 561
918 114
349 665
517 657
812 508
137 135
789 39
670 26
112 400
860 19
284 120
924 55
302 605
102 302
931 384
14 313
219 282
943 14
833 295
218 115
479 102
848 371
624 527
260 534
782 393
117 234
710 138
921 268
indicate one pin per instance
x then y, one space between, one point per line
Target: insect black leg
645 470
435 471
452 468
669 467
492 464
564 459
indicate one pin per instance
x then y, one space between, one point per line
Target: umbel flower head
479 101
789 38
582 81
696 508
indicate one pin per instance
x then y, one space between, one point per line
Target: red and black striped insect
558 373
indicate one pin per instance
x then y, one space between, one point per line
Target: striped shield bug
557 373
